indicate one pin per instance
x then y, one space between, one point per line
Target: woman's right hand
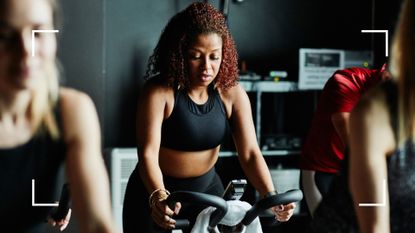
162 214
62 223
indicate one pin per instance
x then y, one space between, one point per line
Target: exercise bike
221 204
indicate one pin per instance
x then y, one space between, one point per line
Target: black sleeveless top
194 127
336 211
401 175
40 159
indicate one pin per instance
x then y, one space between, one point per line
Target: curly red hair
168 58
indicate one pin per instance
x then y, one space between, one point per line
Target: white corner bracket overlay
386 38
39 31
39 204
377 204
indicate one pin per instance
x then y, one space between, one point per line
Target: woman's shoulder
380 96
78 113
371 102
234 97
69 97
373 111
75 105
232 93
156 88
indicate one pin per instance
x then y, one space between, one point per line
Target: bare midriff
186 164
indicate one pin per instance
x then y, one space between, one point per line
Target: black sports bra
194 127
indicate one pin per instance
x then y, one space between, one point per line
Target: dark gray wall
269 33
81 49
131 31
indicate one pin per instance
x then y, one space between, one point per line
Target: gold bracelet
151 200
161 196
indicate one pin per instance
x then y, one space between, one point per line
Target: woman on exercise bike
191 93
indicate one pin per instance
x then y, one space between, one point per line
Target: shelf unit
260 87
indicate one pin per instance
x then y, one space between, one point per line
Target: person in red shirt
326 141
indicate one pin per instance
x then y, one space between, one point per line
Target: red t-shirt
323 148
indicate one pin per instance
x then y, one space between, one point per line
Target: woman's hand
162 214
283 213
61 224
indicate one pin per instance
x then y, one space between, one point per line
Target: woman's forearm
257 172
150 174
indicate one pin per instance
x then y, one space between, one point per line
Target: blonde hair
403 70
46 94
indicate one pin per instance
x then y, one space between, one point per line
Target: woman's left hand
283 213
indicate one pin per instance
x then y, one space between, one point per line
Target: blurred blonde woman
380 169
42 126
382 141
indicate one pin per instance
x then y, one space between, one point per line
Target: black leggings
323 181
136 211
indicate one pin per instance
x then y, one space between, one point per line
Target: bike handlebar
293 195
222 207
201 198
